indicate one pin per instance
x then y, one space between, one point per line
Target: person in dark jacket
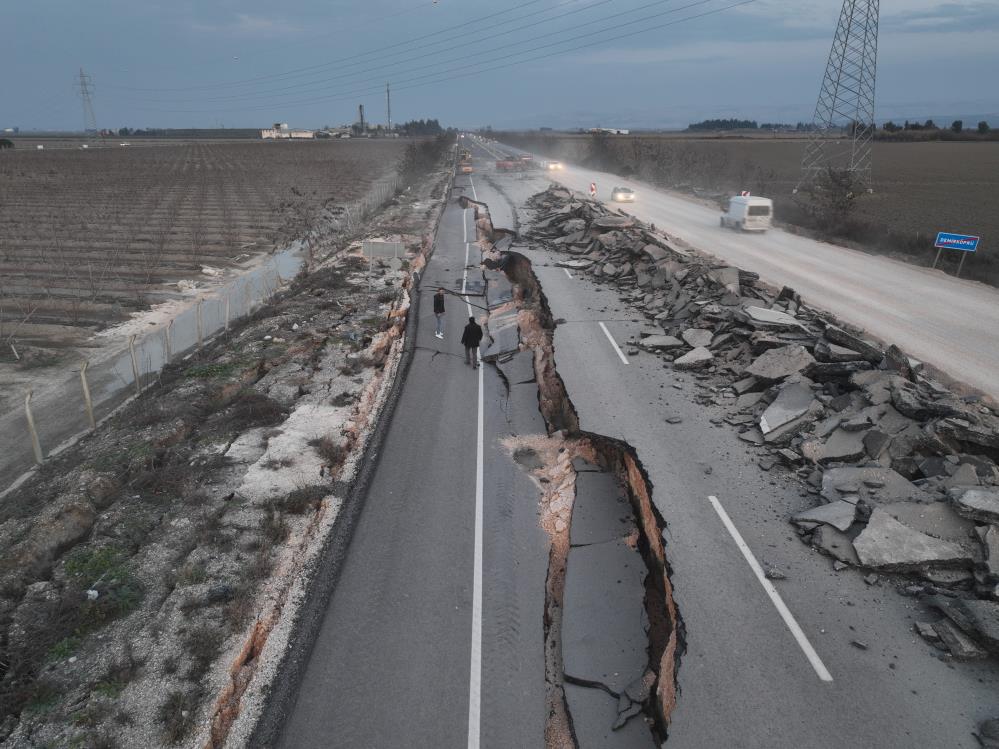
439 312
471 337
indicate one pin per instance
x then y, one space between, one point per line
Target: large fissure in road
572 510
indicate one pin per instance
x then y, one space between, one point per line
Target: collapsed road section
612 632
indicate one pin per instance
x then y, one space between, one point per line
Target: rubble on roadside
905 471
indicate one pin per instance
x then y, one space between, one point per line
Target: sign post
962 242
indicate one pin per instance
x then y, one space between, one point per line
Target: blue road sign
963 242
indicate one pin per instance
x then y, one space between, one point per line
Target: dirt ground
143 569
919 188
88 236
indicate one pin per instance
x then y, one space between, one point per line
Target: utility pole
388 105
846 99
360 113
85 87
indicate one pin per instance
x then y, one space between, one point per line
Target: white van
748 213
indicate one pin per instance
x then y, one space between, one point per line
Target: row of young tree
736 124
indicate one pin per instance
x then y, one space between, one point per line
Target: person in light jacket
470 338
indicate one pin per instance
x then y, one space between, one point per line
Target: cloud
245 25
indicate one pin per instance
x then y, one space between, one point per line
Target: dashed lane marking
613 343
771 591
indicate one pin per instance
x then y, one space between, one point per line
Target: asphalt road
950 323
747 678
397 655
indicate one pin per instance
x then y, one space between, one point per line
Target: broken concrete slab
888 544
874 484
840 515
989 537
600 511
978 619
697 358
603 637
578 264
977 504
868 350
843 446
936 519
594 715
771 318
778 363
519 370
835 543
962 647
660 343
697 337
793 401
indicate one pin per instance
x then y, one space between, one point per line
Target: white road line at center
771 591
567 272
475 670
617 348
472 185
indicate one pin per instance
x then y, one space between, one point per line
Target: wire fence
86 393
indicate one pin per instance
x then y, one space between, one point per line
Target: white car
623 195
553 166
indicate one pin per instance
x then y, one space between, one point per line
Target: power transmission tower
388 105
360 114
844 114
85 87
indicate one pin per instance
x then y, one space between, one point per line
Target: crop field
919 188
87 236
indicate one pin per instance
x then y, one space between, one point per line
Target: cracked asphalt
391 664
743 680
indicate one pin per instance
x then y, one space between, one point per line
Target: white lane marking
472 185
567 272
768 586
617 348
475 672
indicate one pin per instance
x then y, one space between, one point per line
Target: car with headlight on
553 166
623 195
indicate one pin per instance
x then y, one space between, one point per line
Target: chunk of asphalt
875 484
660 343
520 369
600 512
962 647
697 337
937 519
603 632
978 619
843 447
771 318
594 715
835 543
977 504
839 514
792 401
888 544
697 358
778 363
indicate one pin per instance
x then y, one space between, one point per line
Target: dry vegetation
920 188
134 564
87 236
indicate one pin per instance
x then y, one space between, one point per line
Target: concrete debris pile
904 469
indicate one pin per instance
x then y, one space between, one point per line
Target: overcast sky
469 63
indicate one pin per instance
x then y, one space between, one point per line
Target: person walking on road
593 189
439 312
471 337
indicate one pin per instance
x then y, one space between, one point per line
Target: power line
490 35
331 63
467 73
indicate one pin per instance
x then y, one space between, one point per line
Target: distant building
609 130
281 131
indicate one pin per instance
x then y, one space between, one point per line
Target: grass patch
343 399
303 499
202 644
176 714
107 570
63 649
212 371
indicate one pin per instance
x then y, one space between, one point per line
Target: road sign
949 241
963 242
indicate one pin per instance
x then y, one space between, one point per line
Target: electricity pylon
844 114
85 87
